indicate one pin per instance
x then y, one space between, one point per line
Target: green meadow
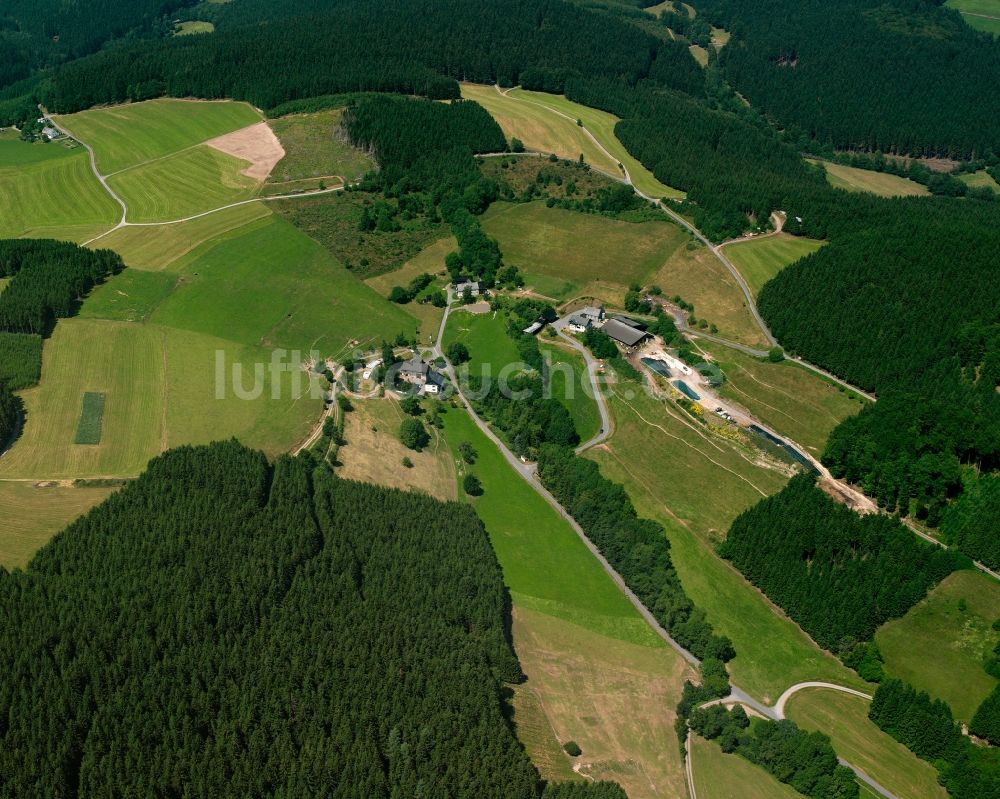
314 149
959 637
124 136
565 253
190 182
845 719
695 484
49 190
568 383
762 258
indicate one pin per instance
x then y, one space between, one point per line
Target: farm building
50 133
595 315
578 323
533 328
464 283
624 334
414 371
628 320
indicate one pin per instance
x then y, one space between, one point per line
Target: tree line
804 760
48 280
273 52
149 652
838 574
927 728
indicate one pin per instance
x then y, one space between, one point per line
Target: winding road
529 472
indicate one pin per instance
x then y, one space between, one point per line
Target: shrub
572 748
471 485
413 435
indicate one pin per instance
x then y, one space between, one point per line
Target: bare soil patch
256 144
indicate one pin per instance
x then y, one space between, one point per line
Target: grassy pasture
193 27
761 259
845 719
484 334
602 125
129 296
596 673
158 247
127 135
695 488
190 182
564 253
267 285
567 384
792 400
982 177
615 699
314 150
693 272
721 776
88 430
122 361
883 184
545 565
539 128
32 515
940 649
50 190
374 453
983 15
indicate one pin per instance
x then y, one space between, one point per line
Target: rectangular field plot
88 429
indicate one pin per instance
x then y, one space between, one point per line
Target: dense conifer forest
838 574
904 76
409 46
227 627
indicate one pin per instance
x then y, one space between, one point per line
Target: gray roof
628 336
435 378
626 320
579 320
590 310
414 366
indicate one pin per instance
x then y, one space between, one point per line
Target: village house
595 315
464 283
578 323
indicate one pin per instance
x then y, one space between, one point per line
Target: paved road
592 367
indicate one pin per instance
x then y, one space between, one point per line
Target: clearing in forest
721 776
315 148
540 129
960 638
883 184
761 258
983 15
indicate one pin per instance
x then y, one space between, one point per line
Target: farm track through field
123 223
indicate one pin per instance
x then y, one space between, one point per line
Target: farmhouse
419 373
578 323
464 283
595 315
50 133
624 334
414 371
